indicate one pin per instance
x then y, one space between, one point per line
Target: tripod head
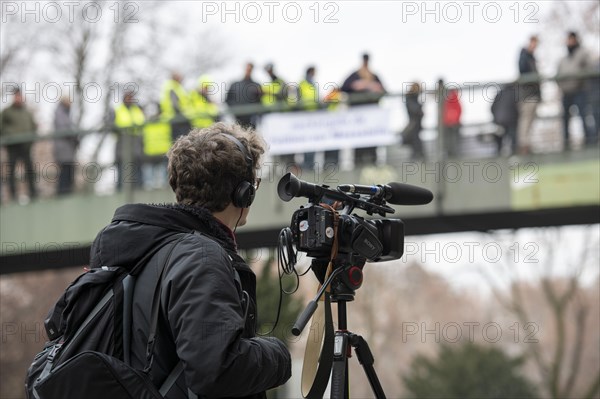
346 277
349 279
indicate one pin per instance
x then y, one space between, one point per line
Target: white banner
297 132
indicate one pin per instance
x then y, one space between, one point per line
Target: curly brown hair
205 166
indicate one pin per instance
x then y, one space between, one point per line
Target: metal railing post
440 152
127 173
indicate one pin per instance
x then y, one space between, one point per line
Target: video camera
327 217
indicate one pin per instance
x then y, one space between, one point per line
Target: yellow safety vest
166 106
157 138
309 99
270 92
202 112
126 117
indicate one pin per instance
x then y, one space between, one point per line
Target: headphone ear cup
243 195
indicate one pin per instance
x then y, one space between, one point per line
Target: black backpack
504 107
89 332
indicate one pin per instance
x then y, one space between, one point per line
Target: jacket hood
452 96
138 230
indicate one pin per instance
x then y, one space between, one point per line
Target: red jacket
452 109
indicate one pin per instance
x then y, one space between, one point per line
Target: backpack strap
155 312
128 287
171 379
178 369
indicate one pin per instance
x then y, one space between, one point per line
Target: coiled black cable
287 257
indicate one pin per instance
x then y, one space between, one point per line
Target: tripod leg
366 359
339 374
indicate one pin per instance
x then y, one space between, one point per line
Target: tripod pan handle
304 318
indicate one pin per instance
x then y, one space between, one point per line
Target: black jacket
528 70
202 319
244 92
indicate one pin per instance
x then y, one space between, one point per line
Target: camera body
377 240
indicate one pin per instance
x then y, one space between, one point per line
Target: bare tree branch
560 374
580 322
19 44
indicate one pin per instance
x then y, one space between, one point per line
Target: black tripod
344 280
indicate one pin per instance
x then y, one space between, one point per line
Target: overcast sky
464 41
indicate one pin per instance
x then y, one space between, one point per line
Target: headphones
243 194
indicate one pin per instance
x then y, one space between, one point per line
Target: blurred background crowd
145 127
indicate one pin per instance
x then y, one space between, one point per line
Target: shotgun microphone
394 193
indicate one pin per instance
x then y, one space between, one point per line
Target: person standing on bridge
245 92
411 133
574 90
65 147
530 94
175 105
451 119
208 307
364 87
15 121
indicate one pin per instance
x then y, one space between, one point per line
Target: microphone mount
290 186
376 192
370 205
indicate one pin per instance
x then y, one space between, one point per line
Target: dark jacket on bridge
202 320
528 70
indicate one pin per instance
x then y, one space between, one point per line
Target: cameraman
208 310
